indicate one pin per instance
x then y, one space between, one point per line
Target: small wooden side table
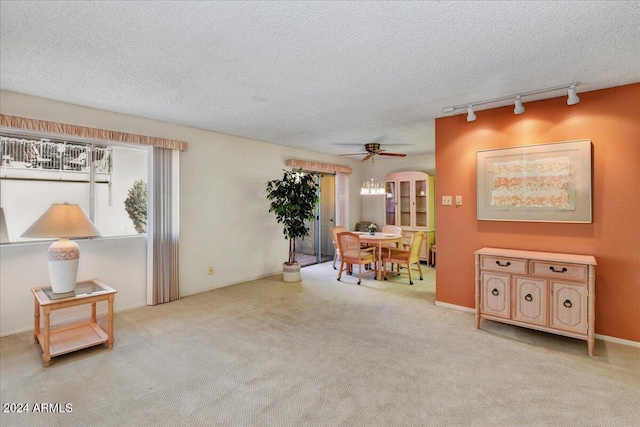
77 336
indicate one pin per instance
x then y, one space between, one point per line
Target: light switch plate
458 200
446 200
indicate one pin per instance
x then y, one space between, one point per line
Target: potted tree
293 200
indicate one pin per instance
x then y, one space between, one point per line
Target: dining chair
392 229
408 256
334 239
352 253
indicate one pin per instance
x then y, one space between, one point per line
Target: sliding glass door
318 247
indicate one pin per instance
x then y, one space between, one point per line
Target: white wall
224 218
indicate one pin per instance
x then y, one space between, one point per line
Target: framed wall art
538 183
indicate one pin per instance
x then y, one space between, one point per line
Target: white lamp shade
63 221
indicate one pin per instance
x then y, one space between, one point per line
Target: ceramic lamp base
64 256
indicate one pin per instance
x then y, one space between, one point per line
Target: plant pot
291 272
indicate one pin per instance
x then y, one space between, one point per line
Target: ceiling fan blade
367 157
352 154
392 154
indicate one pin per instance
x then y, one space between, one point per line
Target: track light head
471 116
572 97
519 107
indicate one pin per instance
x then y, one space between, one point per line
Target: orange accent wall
610 118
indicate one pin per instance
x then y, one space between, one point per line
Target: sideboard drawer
505 264
563 271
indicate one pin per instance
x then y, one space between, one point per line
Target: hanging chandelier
372 187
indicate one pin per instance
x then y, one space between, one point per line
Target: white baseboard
598 336
456 307
618 340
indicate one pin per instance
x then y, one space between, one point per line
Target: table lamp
63 221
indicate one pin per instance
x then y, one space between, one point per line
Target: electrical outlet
446 200
210 270
458 200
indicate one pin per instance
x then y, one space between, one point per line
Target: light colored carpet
323 353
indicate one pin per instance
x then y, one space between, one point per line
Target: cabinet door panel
405 204
569 307
530 300
495 294
420 202
390 203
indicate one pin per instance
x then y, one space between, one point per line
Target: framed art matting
538 183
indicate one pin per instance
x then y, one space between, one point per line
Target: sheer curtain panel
164 227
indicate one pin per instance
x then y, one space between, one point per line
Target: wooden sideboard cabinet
551 292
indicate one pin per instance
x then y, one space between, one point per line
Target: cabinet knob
568 304
558 271
505 265
528 297
495 292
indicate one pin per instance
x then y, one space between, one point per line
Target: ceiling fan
373 149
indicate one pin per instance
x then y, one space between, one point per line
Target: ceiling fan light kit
373 187
572 99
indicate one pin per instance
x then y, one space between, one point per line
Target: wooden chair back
416 243
334 239
349 246
409 257
351 253
392 229
334 234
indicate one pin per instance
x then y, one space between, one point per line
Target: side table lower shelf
74 337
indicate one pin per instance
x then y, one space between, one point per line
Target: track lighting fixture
572 96
471 116
519 108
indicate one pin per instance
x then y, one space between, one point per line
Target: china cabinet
409 204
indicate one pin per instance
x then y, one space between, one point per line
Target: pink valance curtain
34 125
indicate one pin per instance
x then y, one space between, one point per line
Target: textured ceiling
324 76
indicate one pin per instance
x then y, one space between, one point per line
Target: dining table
378 239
